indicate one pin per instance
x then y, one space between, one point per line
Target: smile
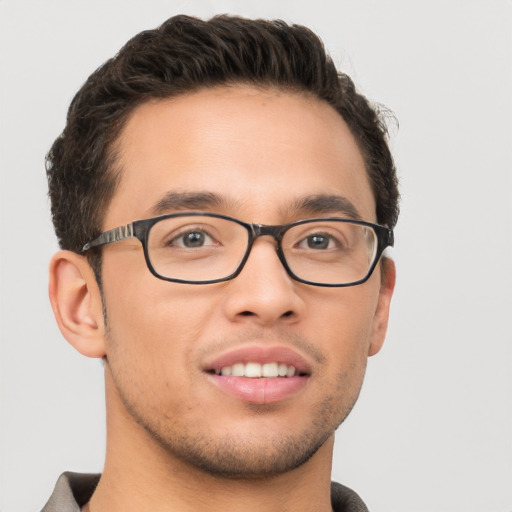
259 375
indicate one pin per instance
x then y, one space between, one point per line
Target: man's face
261 153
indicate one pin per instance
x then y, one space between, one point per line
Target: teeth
270 370
257 370
290 372
238 370
253 370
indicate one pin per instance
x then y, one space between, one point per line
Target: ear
77 303
380 320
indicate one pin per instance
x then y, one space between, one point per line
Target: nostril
247 313
288 313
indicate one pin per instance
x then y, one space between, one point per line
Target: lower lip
259 391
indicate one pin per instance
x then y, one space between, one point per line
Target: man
223 198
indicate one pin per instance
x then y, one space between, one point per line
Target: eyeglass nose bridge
276 232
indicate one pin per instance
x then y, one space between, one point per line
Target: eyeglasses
203 248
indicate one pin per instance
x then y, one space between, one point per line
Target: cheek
152 328
345 330
347 318
149 343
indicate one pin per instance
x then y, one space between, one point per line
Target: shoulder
71 491
344 499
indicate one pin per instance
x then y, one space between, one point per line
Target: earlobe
77 303
380 320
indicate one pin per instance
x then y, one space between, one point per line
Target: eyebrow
325 204
308 205
187 201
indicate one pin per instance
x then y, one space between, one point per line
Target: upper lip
260 354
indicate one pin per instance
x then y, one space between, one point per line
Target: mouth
259 375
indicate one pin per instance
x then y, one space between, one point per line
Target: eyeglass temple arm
391 238
109 237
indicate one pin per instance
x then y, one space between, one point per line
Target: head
243 118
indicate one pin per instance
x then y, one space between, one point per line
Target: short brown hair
183 55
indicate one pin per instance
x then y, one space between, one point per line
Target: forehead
258 150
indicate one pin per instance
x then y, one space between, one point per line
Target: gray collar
74 490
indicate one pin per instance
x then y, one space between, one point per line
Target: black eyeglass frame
140 229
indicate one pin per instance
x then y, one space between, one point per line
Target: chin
266 450
239 459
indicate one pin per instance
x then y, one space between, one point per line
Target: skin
168 426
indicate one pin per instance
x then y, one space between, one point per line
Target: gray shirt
74 490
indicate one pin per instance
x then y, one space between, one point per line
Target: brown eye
318 241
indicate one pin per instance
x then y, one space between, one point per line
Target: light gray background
432 429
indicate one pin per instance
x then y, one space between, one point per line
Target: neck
140 474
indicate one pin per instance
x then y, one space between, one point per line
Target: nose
263 292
